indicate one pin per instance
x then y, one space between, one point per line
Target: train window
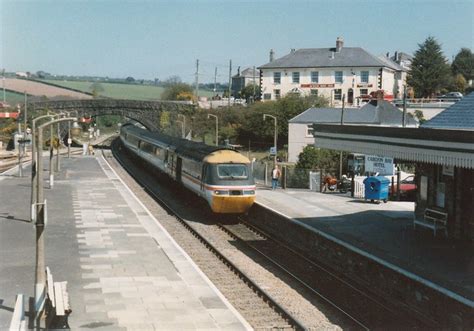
146 147
232 171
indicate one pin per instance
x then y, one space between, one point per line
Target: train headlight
221 192
249 192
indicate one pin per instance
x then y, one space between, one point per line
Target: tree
250 91
464 64
314 158
460 83
429 70
96 88
176 91
130 79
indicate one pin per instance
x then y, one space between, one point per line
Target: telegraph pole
404 121
3 79
254 85
215 79
230 81
197 80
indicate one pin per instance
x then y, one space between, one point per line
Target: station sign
381 164
273 151
317 85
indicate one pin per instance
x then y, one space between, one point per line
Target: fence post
266 174
283 179
352 184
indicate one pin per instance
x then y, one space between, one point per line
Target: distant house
244 78
20 74
332 73
403 59
376 112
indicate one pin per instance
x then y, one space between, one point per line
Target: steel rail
289 273
320 266
293 321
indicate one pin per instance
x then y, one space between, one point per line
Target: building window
309 131
314 76
338 94
277 94
338 76
364 91
364 76
296 77
267 96
277 77
314 92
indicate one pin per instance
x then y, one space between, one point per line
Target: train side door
203 176
179 166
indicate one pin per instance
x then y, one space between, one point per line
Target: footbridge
145 112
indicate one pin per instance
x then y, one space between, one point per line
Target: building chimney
339 44
238 71
272 55
388 55
396 57
292 50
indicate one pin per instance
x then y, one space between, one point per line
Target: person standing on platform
276 173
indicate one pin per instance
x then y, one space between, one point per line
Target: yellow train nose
231 204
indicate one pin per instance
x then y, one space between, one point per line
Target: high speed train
219 174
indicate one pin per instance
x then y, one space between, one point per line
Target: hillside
38 89
119 91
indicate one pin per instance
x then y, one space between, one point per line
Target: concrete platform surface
124 271
383 232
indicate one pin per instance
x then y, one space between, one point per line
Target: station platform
124 271
383 232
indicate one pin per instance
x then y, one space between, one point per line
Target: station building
443 151
332 73
376 112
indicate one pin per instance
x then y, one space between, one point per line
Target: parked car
407 189
451 96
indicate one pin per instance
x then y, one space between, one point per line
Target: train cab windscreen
232 171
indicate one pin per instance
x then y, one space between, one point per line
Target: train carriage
219 174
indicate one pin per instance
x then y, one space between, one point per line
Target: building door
350 96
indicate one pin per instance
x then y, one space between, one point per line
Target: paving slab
124 271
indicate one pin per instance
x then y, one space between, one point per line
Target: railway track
251 300
290 291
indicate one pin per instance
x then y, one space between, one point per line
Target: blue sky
148 39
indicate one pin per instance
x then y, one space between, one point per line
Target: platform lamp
40 274
217 127
34 162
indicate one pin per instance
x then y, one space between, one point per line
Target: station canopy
426 145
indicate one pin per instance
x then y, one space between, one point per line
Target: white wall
297 140
326 76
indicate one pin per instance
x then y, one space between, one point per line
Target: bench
58 308
18 321
433 219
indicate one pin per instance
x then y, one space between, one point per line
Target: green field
120 91
12 98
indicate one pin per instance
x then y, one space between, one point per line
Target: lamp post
69 140
217 127
342 123
183 133
275 136
182 128
40 277
34 171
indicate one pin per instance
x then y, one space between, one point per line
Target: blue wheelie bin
376 188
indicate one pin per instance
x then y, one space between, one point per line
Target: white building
332 73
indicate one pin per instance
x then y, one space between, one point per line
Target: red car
407 189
